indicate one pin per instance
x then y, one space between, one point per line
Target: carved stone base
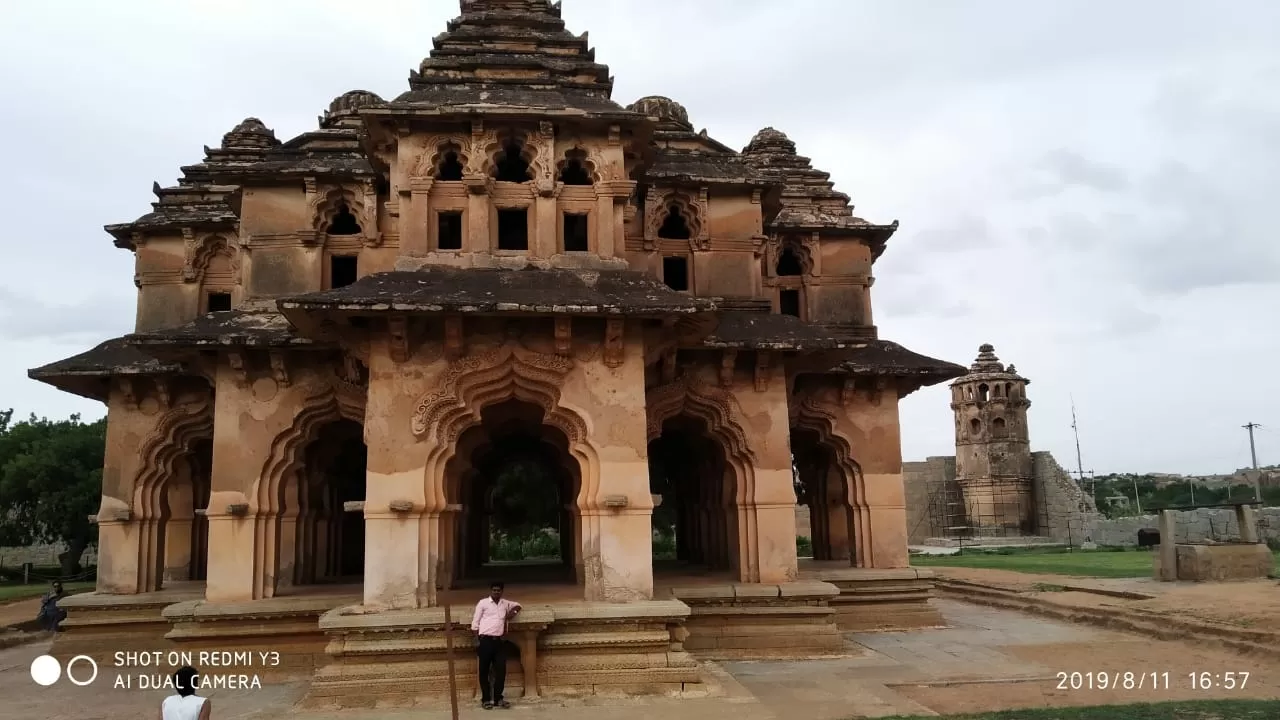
100 625
398 658
750 621
286 629
896 599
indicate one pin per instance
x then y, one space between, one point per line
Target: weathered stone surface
1219 562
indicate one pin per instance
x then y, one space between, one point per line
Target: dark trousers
492 652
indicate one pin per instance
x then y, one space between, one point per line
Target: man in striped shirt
489 623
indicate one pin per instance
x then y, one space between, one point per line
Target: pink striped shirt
491 617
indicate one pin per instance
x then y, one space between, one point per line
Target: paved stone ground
986 655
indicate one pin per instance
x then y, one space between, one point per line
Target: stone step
982 541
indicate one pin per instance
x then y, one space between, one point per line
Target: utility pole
1253 455
1075 429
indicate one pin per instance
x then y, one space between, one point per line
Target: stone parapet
748 620
400 658
890 599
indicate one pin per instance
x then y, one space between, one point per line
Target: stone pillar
542 238
402 504
604 225
477 239
417 218
767 520
1247 519
617 517
836 519
177 529
118 533
1168 546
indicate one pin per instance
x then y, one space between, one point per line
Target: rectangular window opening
342 270
789 302
575 233
218 301
513 229
449 231
675 271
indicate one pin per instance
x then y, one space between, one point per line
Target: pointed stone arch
437 151
201 252
328 205
477 381
808 414
161 452
465 389
322 404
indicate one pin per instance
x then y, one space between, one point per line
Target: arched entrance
836 518
514 487
687 468
184 530
321 537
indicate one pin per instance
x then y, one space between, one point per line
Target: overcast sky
1089 186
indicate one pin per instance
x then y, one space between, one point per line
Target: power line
1253 455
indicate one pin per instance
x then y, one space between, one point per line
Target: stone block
1235 561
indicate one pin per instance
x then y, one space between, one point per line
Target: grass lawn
10 593
1054 561
1197 710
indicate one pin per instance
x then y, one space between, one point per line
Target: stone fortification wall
1192 526
1064 510
923 484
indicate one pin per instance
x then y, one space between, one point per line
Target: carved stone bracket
614 342
564 336
279 368
728 362
239 366
190 247
848 391
477 184
669 357
163 393
764 371
398 338
703 240
455 345
128 393
876 392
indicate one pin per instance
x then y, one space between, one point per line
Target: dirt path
1253 604
19 611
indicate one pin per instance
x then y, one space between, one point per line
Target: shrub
804 546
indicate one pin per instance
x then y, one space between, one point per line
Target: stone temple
344 338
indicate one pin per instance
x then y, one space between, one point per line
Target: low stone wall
1193 526
45 555
889 599
1234 561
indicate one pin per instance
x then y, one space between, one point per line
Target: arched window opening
450 167
998 428
968 393
574 170
984 393
1008 389
789 263
511 165
344 222
975 426
674 227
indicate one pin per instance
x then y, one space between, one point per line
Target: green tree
50 482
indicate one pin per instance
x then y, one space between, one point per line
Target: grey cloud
960 234
87 320
1063 169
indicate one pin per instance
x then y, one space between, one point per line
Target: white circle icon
92 664
46 670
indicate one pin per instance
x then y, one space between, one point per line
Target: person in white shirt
489 623
186 705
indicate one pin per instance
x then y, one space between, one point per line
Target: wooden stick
448 653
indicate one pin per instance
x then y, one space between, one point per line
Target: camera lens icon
46 670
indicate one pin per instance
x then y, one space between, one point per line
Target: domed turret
663 108
250 134
344 111
770 142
